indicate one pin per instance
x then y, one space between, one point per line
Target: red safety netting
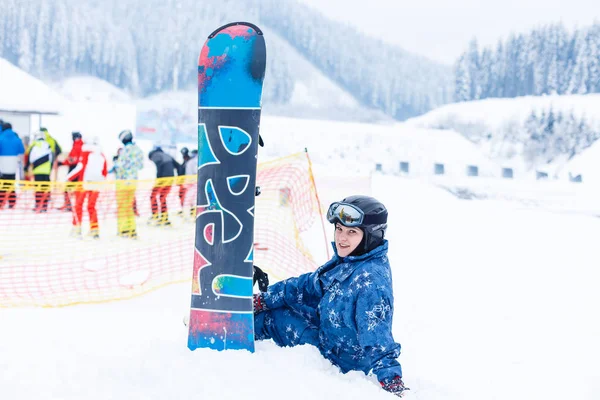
50 257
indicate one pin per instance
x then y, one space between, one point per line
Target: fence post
472 170
540 175
404 167
577 178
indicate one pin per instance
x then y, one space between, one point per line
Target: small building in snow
24 99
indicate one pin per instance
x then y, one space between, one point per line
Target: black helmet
76 135
185 151
126 136
373 221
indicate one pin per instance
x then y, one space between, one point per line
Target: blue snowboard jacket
350 301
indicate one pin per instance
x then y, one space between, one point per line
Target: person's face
346 239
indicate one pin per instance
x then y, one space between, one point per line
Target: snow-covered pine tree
25 58
474 66
462 86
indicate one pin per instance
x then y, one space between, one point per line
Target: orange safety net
144 235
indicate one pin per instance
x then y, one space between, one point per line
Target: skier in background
55 148
71 162
345 307
166 166
39 156
11 163
183 185
91 169
112 171
127 167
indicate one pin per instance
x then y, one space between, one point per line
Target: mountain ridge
150 46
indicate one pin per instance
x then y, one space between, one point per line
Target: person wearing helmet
166 166
54 147
345 307
91 169
71 162
39 156
127 167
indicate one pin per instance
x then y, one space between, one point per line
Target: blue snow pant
285 327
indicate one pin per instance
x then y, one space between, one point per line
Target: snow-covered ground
22 92
90 88
488 121
493 113
492 300
495 297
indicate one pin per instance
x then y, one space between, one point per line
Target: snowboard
231 70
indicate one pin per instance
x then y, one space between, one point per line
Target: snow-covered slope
483 117
314 95
504 131
492 298
492 301
586 164
356 148
20 92
90 88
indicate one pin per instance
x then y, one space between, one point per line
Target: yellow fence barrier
120 239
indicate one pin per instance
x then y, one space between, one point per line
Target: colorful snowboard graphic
231 69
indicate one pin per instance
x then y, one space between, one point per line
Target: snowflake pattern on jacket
349 301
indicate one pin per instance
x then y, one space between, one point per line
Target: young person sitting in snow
345 307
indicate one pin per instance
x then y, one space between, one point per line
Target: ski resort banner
165 125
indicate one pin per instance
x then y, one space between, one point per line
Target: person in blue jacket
345 307
11 164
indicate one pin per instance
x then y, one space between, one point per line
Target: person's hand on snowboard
262 278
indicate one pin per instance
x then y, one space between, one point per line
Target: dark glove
394 385
258 301
262 278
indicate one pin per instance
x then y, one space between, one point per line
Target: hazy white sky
441 29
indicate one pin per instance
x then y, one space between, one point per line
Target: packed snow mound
91 89
478 289
22 92
489 115
586 164
529 133
359 148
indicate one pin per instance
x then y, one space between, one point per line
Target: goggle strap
374 219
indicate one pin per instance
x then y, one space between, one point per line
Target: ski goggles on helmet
347 214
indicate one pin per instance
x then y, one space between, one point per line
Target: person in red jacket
71 162
91 170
